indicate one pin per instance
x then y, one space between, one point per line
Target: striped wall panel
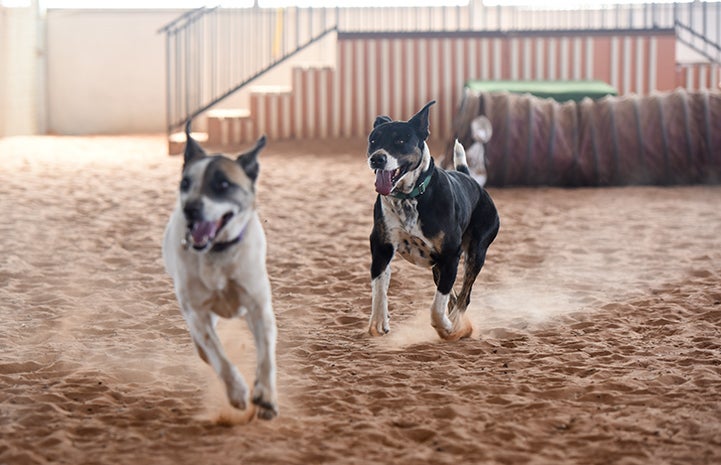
696 76
313 103
396 74
272 114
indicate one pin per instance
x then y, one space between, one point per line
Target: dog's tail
459 158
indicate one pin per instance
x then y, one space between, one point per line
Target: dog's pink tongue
203 231
383 182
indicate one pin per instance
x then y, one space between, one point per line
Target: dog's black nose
378 161
193 211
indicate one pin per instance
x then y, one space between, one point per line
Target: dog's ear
381 119
420 121
249 159
192 149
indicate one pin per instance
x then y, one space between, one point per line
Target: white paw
379 326
461 328
442 325
237 392
265 400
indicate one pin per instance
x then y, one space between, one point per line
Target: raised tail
459 158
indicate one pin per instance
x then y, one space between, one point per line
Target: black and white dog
428 215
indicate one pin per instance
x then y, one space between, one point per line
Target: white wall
106 71
3 68
685 54
18 72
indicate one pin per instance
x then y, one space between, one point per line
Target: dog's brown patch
225 303
234 172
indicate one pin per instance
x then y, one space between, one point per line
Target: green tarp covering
560 91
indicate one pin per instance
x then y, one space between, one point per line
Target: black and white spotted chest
404 230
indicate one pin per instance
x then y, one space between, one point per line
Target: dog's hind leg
475 257
473 263
261 321
200 325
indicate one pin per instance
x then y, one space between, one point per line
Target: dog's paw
240 404
461 329
264 400
379 327
265 410
237 401
442 332
375 332
237 393
462 333
442 325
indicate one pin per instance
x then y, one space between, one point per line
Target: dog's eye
221 186
400 141
184 184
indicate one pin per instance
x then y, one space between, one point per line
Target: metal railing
213 52
699 27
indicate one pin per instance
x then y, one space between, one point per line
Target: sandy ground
597 323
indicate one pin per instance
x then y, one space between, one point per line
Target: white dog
214 248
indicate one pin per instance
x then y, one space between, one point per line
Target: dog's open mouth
386 179
203 233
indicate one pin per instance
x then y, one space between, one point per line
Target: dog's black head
396 148
217 193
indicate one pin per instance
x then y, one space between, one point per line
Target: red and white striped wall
313 102
697 76
272 109
397 73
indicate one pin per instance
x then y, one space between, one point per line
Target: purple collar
221 246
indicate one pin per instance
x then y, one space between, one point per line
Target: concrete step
270 89
228 128
274 111
234 128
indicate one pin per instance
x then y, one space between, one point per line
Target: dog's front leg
201 327
261 321
380 279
